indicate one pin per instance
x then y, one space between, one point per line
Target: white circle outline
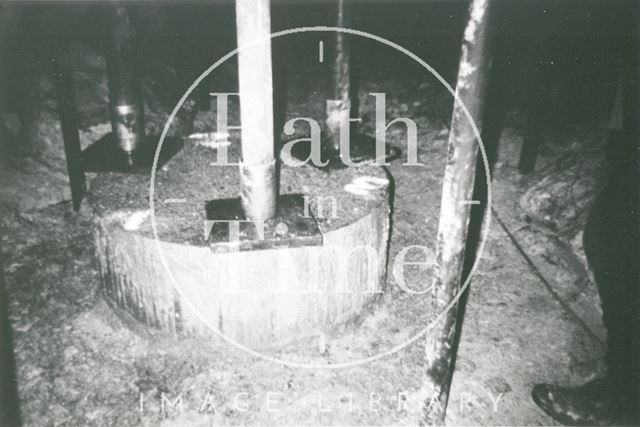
486 227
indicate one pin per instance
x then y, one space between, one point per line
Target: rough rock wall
562 189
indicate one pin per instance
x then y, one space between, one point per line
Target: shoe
592 404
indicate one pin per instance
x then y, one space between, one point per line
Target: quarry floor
80 363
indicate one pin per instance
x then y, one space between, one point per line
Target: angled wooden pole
63 76
255 84
455 209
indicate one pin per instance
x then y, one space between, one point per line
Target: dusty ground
79 363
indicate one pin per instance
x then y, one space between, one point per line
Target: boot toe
574 406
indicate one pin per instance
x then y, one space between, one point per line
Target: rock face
565 187
563 191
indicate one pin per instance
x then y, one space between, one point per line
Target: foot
592 404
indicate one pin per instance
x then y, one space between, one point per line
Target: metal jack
126 149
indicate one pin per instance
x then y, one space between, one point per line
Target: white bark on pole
342 58
457 188
259 189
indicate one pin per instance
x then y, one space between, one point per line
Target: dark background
566 52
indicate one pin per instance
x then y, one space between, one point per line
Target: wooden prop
63 76
127 149
258 170
455 210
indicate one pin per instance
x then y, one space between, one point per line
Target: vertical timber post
258 168
531 138
125 98
126 149
632 130
339 107
63 76
457 189
9 401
